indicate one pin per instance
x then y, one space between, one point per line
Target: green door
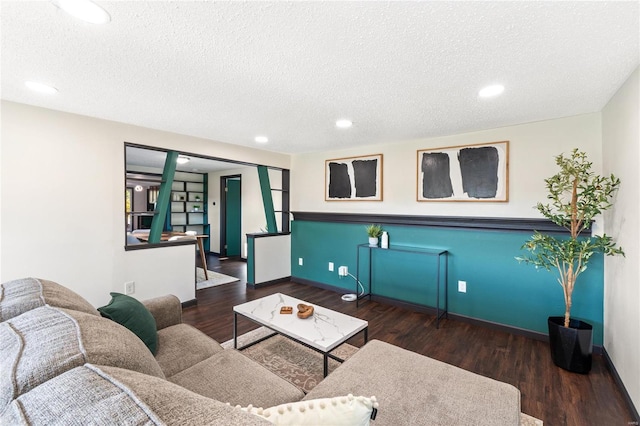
233 217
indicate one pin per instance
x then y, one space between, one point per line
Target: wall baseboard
623 389
188 303
268 283
319 285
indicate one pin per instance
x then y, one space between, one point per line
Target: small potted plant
196 208
576 196
374 231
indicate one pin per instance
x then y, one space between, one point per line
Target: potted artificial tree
374 232
576 195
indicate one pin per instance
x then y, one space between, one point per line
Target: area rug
302 366
215 278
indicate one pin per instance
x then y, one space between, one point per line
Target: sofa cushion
182 346
229 376
108 343
92 394
402 380
22 295
129 312
42 343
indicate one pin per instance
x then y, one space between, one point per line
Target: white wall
532 149
270 263
62 197
621 156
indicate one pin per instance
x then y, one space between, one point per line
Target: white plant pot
373 242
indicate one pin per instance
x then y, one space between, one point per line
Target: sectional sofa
62 362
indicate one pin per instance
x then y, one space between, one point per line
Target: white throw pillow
337 411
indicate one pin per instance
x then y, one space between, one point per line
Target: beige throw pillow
338 411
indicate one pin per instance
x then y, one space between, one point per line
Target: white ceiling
230 71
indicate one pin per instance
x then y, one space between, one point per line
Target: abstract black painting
436 182
464 173
354 178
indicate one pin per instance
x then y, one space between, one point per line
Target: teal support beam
164 197
267 199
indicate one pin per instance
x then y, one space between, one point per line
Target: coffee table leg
366 335
326 364
235 330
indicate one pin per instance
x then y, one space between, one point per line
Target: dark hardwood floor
547 392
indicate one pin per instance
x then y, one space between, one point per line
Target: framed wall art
464 173
354 178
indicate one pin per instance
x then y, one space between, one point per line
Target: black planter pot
571 347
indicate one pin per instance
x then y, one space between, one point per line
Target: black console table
441 276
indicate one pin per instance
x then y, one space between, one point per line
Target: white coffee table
322 332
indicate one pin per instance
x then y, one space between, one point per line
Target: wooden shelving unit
189 205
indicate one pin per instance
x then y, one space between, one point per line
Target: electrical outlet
300 261
462 286
330 266
343 271
130 287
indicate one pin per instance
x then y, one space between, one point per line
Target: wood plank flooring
547 392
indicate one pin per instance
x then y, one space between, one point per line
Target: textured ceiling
230 71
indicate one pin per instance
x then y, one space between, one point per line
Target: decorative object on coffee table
304 311
286 310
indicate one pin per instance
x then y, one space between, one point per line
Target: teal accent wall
499 289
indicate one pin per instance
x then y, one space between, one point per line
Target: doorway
231 216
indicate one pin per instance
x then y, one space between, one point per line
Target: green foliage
576 196
374 231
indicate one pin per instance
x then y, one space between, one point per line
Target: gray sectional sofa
61 362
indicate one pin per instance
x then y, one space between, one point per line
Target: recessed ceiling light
182 159
490 91
85 10
41 87
262 139
344 124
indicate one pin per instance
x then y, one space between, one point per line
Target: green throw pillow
129 312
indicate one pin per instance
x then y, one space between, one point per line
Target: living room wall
62 198
621 142
499 289
532 149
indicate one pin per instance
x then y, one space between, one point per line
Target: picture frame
477 172
354 178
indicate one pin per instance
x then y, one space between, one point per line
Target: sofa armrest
166 310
